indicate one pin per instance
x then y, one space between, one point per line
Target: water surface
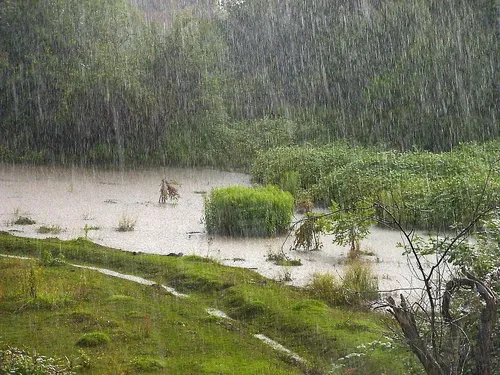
73 198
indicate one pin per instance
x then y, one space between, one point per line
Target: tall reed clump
239 211
421 189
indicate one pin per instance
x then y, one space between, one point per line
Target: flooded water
73 198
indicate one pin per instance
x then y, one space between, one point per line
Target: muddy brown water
73 198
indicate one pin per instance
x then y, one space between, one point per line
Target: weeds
327 288
24 220
126 224
87 216
18 219
48 260
19 361
32 283
359 284
52 229
285 275
357 288
88 228
281 259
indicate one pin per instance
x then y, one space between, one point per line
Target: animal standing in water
167 191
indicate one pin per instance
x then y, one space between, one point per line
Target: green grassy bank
106 325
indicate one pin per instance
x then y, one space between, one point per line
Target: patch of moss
93 339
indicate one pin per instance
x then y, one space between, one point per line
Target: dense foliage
243 211
94 81
421 189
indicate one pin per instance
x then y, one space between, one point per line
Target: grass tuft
357 288
93 339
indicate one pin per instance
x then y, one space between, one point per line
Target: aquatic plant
424 190
126 224
248 211
24 220
52 229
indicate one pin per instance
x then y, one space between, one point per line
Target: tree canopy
94 80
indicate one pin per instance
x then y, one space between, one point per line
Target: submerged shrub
248 212
49 229
126 224
24 220
93 339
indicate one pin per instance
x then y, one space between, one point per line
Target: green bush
48 260
248 212
310 163
290 182
93 339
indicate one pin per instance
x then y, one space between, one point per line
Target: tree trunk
404 316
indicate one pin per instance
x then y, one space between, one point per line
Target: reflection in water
78 198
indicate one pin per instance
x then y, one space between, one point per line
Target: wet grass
114 326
